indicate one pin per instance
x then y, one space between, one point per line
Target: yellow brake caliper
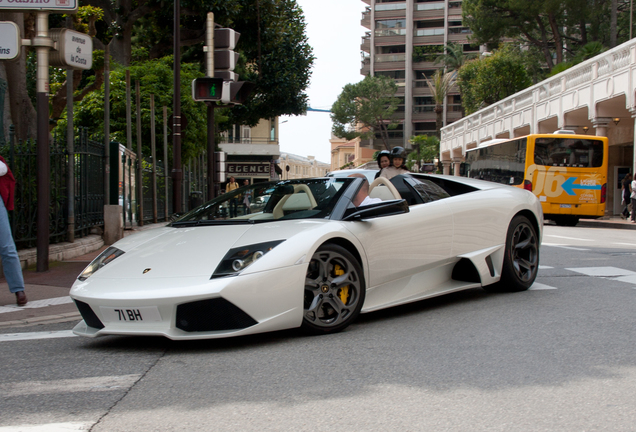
344 291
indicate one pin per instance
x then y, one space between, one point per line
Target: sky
335 34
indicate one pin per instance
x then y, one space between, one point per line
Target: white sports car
299 253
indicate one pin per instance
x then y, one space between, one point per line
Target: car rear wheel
521 259
334 290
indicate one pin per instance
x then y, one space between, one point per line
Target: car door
406 253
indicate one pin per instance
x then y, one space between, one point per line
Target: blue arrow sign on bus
569 186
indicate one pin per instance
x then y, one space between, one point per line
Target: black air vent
89 316
212 315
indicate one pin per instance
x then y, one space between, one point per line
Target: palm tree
454 57
440 86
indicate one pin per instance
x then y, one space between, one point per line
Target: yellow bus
567 172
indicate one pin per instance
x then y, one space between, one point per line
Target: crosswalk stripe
602 271
90 384
35 304
539 286
51 427
8 337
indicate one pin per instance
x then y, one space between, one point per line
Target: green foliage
275 53
454 57
587 51
427 53
425 149
490 79
365 108
557 29
155 77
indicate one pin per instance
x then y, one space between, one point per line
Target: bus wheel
566 221
521 258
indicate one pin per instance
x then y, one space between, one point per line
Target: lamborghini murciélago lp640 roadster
305 253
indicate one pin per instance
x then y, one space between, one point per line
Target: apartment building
404 39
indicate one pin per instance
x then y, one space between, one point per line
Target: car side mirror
385 208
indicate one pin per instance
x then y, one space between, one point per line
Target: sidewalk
48 291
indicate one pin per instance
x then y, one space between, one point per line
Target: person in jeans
232 185
627 192
633 198
8 251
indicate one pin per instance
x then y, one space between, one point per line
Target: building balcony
382 37
390 14
427 40
428 14
252 146
366 19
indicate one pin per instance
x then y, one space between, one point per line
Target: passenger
397 164
384 160
362 198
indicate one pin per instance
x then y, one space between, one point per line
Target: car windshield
264 202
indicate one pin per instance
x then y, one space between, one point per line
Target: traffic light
225 59
207 89
236 93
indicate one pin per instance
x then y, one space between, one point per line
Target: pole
165 162
153 155
140 165
209 57
106 126
42 149
177 172
128 113
70 136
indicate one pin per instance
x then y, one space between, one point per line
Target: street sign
9 40
43 5
74 49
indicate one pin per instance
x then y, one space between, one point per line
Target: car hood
190 252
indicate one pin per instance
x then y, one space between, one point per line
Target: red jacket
7 187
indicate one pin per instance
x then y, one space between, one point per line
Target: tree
490 79
440 86
365 109
454 57
426 149
557 28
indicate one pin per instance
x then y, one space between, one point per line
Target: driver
362 198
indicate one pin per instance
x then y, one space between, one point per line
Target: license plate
131 314
566 205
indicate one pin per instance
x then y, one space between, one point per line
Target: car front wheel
521 259
334 290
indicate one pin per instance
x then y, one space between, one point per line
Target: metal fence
89 188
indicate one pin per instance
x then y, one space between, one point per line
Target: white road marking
51 427
36 335
568 238
602 271
540 286
563 247
626 244
90 384
35 304
542 267
628 279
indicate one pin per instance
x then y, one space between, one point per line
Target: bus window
579 153
501 163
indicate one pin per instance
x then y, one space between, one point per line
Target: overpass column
633 112
456 165
601 124
446 165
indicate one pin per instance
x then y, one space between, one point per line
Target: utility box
123 181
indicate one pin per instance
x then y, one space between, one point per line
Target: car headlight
104 258
237 259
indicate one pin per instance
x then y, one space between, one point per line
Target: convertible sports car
299 253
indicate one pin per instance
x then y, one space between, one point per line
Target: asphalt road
559 357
